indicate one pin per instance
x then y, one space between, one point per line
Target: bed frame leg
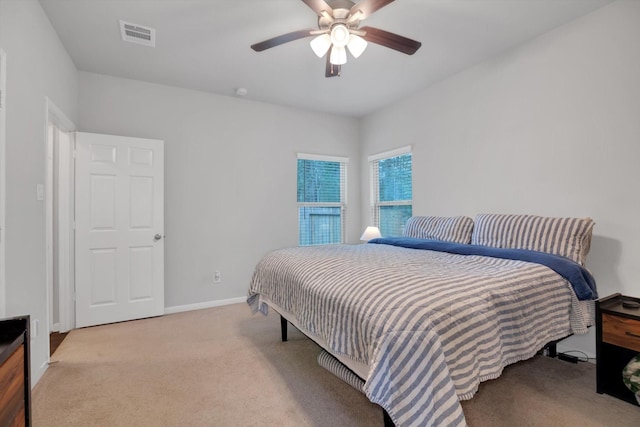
553 349
388 422
283 328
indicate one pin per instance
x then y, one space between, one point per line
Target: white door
119 228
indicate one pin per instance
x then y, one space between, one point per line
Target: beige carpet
225 367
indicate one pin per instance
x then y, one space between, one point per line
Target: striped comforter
430 325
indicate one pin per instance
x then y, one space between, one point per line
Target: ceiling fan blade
332 70
391 40
284 38
319 6
367 7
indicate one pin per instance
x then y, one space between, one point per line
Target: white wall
550 128
37 66
230 183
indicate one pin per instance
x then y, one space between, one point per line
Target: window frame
343 161
374 183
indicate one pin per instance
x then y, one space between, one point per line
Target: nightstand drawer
621 331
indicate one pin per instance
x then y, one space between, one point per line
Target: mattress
423 328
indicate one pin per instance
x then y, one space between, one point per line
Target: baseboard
201 305
55 327
36 374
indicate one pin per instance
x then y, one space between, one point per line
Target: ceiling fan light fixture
339 35
338 30
338 55
356 45
321 44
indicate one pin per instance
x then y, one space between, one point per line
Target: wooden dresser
15 399
617 342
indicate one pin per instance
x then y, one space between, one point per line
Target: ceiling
204 45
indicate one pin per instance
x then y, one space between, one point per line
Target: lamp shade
356 45
321 44
340 35
370 233
338 55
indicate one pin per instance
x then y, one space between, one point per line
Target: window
321 199
391 182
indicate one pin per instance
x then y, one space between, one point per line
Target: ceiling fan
339 29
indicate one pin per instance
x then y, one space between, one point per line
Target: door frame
3 186
66 304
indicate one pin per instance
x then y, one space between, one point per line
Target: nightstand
617 341
15 381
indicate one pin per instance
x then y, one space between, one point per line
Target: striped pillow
455 229
567 237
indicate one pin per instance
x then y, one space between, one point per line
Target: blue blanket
582 281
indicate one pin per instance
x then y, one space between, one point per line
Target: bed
423 319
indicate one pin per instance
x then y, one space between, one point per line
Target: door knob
157 237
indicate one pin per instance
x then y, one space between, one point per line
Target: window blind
392 194
321 200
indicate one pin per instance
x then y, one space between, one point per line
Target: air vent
135 33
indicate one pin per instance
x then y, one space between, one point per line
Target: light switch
40 192
35 324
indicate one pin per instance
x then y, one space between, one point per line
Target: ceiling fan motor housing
340 11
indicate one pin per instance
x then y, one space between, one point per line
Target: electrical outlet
216 277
